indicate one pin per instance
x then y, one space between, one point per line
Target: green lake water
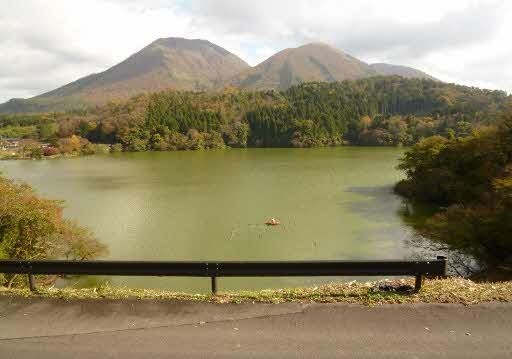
333 203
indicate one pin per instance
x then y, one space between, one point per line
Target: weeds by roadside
452 290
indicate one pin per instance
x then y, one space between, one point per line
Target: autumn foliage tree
32 227
472 178
375 111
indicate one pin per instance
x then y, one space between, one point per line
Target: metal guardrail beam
214 269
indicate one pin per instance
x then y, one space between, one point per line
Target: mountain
199 65
311 62
404 71
168 63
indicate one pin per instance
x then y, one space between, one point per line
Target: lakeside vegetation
377 111
33 228
461 159
451 290
471 179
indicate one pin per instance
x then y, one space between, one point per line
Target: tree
472 178
32 227
47 130
365 122
304 134
236 134
71 144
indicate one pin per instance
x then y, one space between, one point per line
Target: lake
333 203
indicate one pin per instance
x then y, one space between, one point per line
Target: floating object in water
272 222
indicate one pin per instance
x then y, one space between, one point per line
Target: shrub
116 147
95 148
50 151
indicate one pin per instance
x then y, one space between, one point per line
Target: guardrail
418 269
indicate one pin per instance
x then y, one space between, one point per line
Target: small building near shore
9 144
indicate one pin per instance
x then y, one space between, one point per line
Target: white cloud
46 44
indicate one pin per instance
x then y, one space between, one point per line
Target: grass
452 290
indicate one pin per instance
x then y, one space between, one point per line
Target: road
53 328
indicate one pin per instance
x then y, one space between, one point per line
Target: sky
46 44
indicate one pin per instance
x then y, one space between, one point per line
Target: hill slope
169 63
404 71
312 62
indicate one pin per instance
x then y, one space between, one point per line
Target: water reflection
415 215
333 203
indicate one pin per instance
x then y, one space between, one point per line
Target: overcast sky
47 43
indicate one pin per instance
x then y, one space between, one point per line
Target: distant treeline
380 111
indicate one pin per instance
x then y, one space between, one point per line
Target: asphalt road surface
51 328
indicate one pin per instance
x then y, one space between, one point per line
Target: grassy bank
4 156
452 290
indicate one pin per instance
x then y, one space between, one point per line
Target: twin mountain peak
199 65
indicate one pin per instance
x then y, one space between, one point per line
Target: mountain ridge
306 63
199 65
385 69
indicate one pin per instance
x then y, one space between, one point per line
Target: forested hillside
374 111
472 178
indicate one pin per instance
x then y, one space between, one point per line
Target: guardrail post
443 258
31 282
214 285
418 282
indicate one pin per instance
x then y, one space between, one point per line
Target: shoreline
74 155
